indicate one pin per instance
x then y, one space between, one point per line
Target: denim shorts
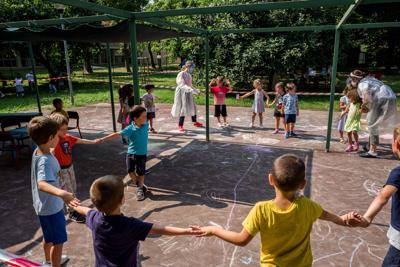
54 228
290 118
392 258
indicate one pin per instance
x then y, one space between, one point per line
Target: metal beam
110 86
51 22
371 25
333 87
134 60
253 7
33 65
175 25
349 11
314 28
95 7
207 87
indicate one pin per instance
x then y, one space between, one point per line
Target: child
148 101
291 108
48 198
390 190
19 88
63 153
285 222
137 135
59 108
131 105
115 236
278 111
353 122
343 103
258 104
125 92
220 87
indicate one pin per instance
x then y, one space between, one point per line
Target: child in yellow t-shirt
285 222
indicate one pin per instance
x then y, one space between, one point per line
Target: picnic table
19 116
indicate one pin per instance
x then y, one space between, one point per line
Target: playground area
216 183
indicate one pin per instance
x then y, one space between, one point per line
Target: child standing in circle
220 87
278 101
148 101
343 103
258 104
291 108
353 123
19 88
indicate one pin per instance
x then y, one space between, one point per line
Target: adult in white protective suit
184 101
379 102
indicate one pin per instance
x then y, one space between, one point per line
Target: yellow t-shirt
285 234
62 112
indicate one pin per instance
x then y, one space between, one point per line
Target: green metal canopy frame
156 18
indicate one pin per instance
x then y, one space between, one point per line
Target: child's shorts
136 163
278 114
151 115
342 123
290 118
68 181
392 257
54 228
220 110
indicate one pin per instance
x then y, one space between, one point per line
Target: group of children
287 219
286 103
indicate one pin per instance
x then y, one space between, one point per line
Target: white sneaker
261 126
251 125
220 125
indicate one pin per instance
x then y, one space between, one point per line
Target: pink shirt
219 94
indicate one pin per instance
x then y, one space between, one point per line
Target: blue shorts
290 118
54 228
392 258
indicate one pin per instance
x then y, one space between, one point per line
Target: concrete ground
216 183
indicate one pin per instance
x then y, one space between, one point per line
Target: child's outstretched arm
67 197
247 95
238 239
82 210
377 204
171 230
340 220
110 136
88 142
266 96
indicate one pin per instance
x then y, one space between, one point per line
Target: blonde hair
354 94
290 86
256 81
187 65
59 119
396 134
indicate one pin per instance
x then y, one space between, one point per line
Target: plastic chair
75 116
16 124
8 144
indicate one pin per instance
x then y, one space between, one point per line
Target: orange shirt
63 150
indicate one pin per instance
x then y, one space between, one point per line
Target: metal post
134 63
333 86
71 90
207 59
110 85
33 65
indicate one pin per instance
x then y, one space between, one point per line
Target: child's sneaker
198 124
139 194
261 125
226 124
276 131
287 135
153 130
356 146
220 125
76 217
181 129
292 134
342 141
349 148
251 125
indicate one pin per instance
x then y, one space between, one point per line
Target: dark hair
57 101
106 193
149 87
125 91
41 128
354 94
136 112
131 101
288 172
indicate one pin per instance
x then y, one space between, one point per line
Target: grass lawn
93 88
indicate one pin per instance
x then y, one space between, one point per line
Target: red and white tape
10 259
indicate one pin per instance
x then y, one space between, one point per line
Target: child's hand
206 231
70 200
194 230
352 219
99 141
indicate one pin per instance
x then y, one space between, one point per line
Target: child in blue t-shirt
115 236
48 198
390 190
137 135
291 109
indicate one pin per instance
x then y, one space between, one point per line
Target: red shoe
198 124
181 129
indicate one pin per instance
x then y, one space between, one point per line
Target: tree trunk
271 80
87 63
153 64
43 60
127 58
